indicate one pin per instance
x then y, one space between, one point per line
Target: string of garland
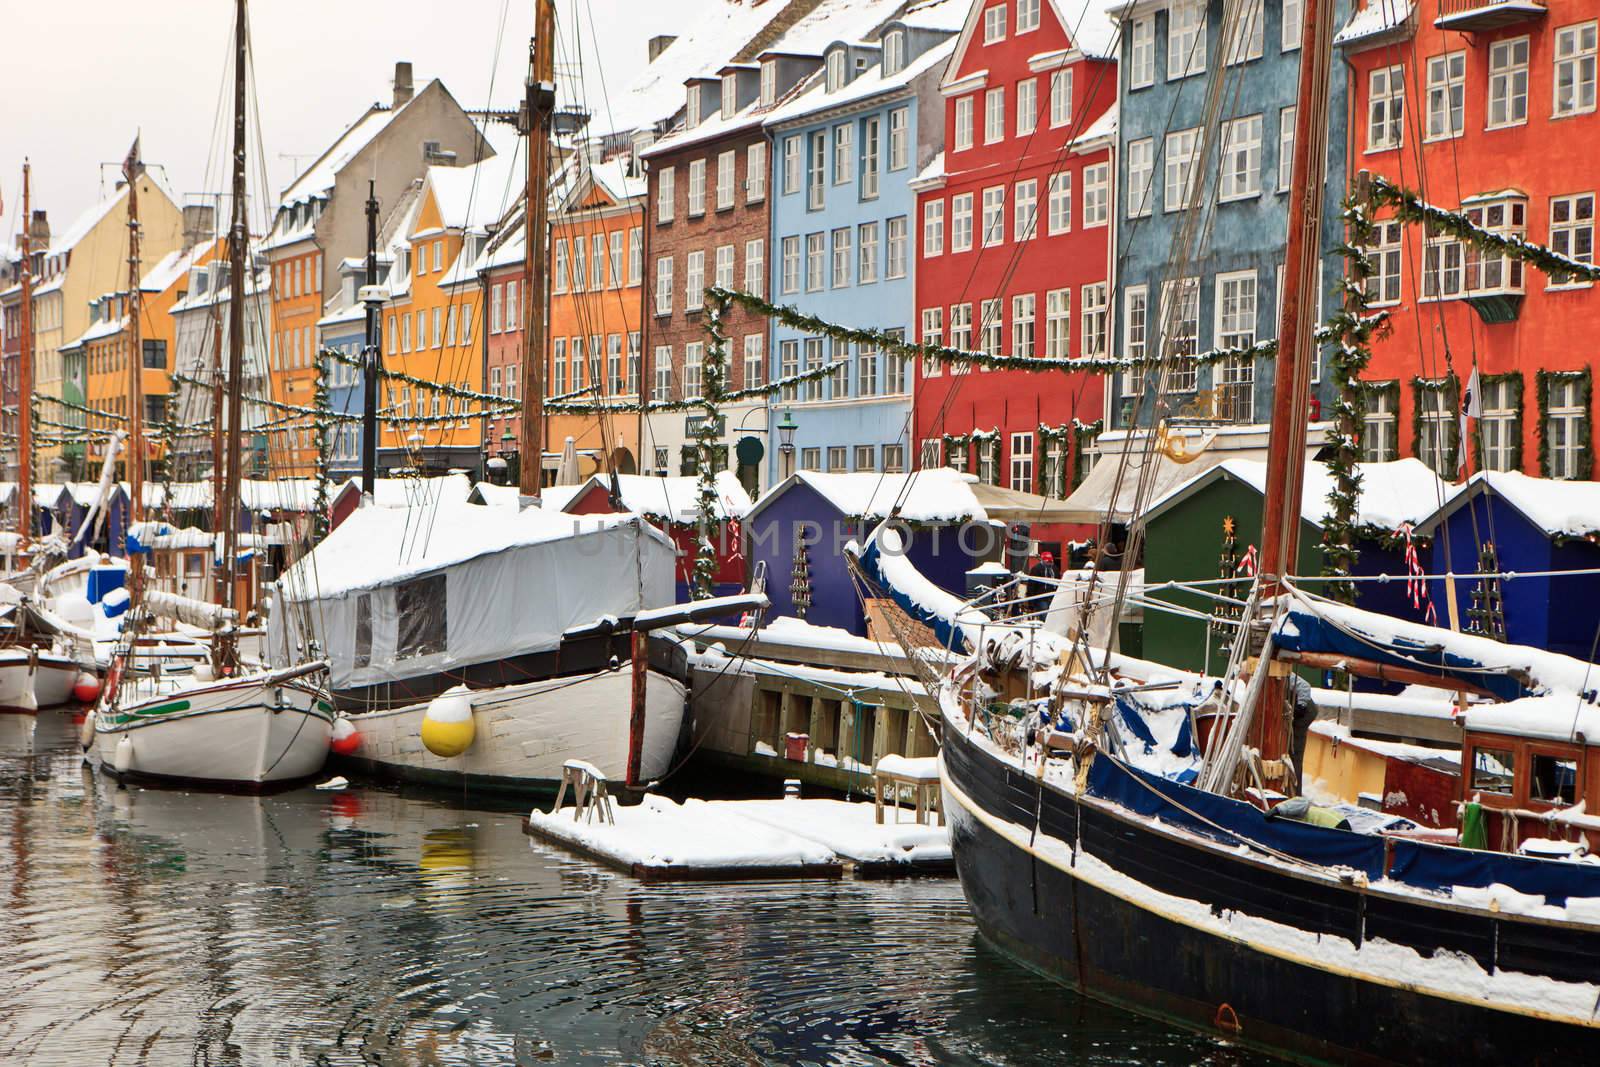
72 405
1053 477
1409 207
384 415
1353 328
1544 380
389 374
1083 435
891 342
652 407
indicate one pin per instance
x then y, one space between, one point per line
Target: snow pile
1503 898
849 829
923 769
1561 508
675 499
1401 491
660 833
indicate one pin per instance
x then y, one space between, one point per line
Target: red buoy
86 690
346 738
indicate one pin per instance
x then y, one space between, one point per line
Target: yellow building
433 324
85 261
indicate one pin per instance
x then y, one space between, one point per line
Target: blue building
844 151
1175 67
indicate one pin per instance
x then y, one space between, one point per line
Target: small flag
1471 406
132 165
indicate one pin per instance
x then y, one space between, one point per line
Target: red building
1489 107
1016 220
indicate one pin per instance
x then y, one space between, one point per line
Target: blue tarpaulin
1440 867
1230 821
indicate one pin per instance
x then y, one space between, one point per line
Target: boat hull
1097 902
16 683
54 679
524 733
256 732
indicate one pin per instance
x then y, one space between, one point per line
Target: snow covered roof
933 172
416 492
174 266
675 499
318 178
948 15
474 197
707 42
867 84
1102 129
833 20
1378 17
1559 508
1090 25
287 494
1404 490
937 495
382 545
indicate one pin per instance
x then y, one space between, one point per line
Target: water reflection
150 926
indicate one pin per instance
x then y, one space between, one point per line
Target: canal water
142 926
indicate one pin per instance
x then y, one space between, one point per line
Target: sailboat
220 723
1126 829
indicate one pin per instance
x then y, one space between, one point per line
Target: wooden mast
1280 534
538 108
25 374
226 652
131 170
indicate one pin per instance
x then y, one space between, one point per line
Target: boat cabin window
1555 779
363 656
420 605
1493 770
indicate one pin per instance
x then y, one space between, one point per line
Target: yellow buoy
447 727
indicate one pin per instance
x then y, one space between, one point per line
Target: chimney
402 84
41 229
199 224
658 44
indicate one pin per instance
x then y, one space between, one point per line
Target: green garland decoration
890 342
412 380
1409 207
713 389
1450 386
949 443
1515 381
1543 381
1351 329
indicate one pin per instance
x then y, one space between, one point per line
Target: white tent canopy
397 593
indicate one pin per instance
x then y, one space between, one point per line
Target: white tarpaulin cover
398 593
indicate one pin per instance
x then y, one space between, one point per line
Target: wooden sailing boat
1103 841
217 724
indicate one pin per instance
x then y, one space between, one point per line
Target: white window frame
1021 455
1027 106
899 139
1508 83
789 265
817 170
791 164
867 253
1060 98
1182 146
665 193
1384 283
994 115
1058 323
1386 108
843 253
816 261
932 228
725 182
755 266
844 153
1058 213
1142 53
962 136
1241 160
961 222
895 239
1572 233
1186 39
1096 195
1022 324
1249 32
1286 117
722 275
1025 210
994 23
755 172
1095 306
1141 168
697 188
663 285
1575 59
871 129
694 280
1291 26
994 216
1136 337
1447 96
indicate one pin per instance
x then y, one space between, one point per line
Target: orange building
433 329
106 345
296 307
596 273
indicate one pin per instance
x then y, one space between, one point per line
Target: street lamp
786 429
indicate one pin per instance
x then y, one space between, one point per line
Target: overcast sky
78 78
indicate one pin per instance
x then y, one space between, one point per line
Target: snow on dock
659 840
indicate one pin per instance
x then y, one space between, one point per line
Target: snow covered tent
399 595
673 504
945 528
1525 525
1185 542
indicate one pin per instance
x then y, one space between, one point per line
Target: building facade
1014 227
1500 124
844 150
1203 206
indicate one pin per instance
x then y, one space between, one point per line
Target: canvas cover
397 593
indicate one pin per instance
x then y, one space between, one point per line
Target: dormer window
894 52
691 111
836 70
730 95
769 82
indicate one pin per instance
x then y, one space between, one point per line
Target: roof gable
1063 24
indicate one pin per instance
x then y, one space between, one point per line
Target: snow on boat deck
659 840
